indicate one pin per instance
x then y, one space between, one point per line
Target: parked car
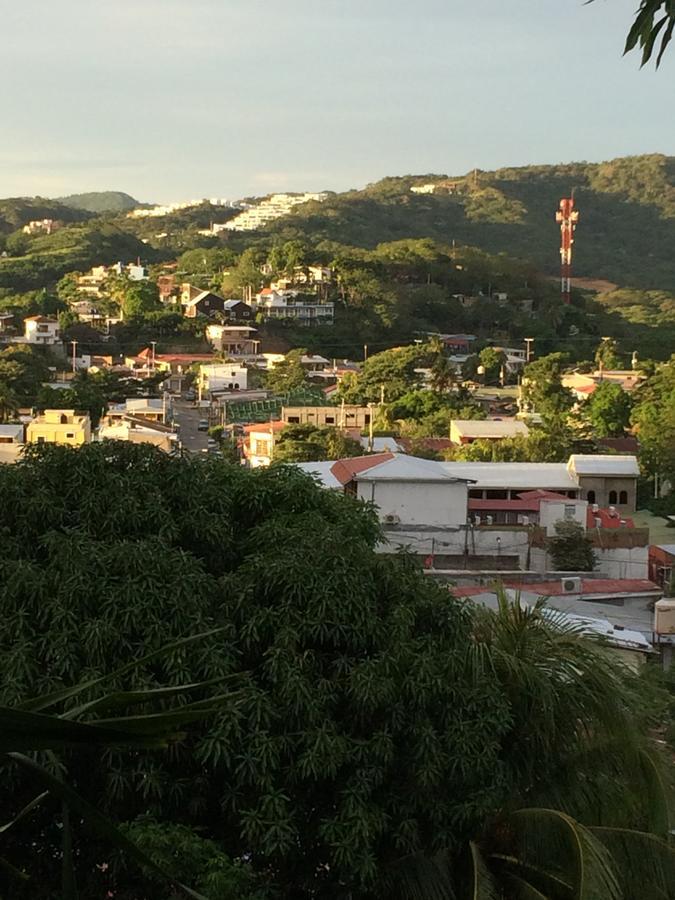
212 444
190 395
203 425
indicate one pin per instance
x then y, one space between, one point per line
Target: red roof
185 357
267 291
345 469
589 586
540 494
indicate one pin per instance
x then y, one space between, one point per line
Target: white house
305 309
41 330
223 377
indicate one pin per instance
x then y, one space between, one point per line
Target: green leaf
39 704
94 818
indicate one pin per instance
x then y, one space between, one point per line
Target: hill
77 247
626 230
101 202
15 212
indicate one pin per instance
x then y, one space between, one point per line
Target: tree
492 361
570 549
307 443
608 410
391 372
607 355
649 24
443 374
653 417
287 375
9 402
536 845
542 388
17 244
135 298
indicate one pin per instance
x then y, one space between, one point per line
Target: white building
11 442
303 308
268 210
222 377
41 330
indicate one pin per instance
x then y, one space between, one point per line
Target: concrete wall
418 503
473 548
604 486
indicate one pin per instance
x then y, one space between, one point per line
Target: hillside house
234 340
41 330
466 431
305 309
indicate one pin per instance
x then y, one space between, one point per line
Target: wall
552 511
418 503
602 487
489 548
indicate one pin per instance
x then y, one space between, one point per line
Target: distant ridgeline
626 232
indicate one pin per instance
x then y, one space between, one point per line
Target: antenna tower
568 217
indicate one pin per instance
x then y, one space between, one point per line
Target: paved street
187 416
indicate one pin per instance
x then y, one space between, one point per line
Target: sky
181 99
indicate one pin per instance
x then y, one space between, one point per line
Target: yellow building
59 426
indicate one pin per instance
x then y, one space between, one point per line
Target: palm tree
443 375
576 752
36 725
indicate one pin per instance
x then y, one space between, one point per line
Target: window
70 434
366 419
40 440
294 420
64 420
612 498
476 494
330 420
623 498
496 495
590 496
262 448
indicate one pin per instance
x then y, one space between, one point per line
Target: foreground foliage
375 722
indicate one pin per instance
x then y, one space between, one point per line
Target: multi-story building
305 309
268 210
41 330
219 377
235 340
59 426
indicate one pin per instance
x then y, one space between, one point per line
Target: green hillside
101 202
15 212
626 232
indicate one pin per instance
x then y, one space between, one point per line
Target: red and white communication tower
568 218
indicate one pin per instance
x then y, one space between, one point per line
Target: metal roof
524 476
617 466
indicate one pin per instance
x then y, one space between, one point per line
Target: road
187 416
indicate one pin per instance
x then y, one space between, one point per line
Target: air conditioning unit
391 519
489 520
571 585
524 520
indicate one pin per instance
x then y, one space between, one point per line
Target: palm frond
556 841
93 817
645 862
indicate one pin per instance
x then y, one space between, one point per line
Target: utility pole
365 352
74 343
528 349
154 347
371 436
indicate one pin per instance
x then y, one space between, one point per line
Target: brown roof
345 469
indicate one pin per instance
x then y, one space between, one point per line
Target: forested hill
15 212
101 202
626 230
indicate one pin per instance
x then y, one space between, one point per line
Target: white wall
418 503
552 511
479 541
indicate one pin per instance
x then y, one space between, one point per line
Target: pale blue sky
175 99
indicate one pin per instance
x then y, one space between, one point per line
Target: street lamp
74 343
154 346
